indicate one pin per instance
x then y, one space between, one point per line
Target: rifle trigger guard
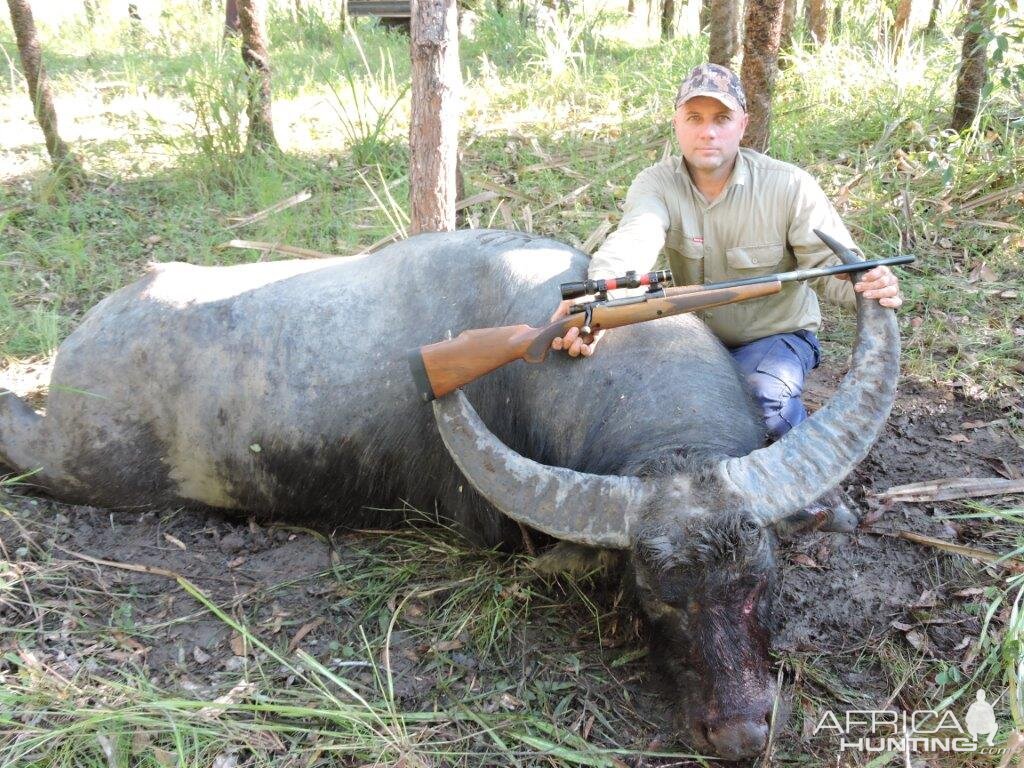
588 318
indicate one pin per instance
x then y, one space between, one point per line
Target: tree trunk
818 18
704 19
723 42
933 17
230 18
434 129
901 26
39 87
760 65
788 24
631 8
973 66
257 60
668 19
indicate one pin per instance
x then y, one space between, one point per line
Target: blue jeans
775 367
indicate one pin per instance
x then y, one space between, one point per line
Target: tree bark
973 66
668 19
818 20
760 65
257 60
434 129
39 86
788 24
723 42
901 26
230 18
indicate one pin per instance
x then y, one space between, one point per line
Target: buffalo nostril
739 738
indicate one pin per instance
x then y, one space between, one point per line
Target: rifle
445 366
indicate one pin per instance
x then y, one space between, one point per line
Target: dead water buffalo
283 388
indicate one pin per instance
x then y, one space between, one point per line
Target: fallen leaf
140 740
236 562
175 541
510 702
970 592
126 641
225 760
304 630
238 644
267 740
919 640
983 273
165 758
957 438
926 600
446 645
1009 295
200 655
805 560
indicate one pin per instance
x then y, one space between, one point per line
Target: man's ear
746 122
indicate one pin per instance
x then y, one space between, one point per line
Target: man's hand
881 284
574 342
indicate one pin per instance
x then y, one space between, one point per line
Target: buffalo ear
577 560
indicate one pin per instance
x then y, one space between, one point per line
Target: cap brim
724 98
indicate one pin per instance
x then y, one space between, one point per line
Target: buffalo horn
811 459
595 510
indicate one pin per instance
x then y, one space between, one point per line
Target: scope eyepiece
629 280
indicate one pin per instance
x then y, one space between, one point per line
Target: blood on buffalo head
702 543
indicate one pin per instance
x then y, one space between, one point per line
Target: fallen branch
150 569
264 247
596 237
989 558
947 489
392 238
301 197
479 197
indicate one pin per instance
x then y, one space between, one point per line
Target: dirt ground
849 601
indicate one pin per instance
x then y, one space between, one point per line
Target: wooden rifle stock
447 365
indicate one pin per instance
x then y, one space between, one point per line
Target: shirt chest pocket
751 260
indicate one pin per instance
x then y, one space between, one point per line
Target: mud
112 597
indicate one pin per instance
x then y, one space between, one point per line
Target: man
722 212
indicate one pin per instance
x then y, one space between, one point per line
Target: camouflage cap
714 81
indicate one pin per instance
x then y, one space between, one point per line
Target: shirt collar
739 177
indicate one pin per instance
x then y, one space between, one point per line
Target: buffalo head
702 539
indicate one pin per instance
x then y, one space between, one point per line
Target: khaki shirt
760 223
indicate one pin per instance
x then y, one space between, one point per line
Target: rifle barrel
810 274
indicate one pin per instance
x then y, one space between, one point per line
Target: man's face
709 132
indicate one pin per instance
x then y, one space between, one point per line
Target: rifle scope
629 280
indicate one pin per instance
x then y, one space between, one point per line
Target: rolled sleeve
640 236
810 209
